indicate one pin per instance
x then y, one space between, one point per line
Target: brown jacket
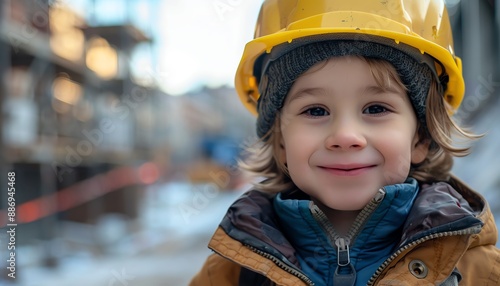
469 251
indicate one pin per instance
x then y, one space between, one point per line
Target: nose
346 135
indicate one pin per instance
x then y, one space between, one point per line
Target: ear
420 149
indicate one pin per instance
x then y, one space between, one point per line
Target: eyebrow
375 89
305 91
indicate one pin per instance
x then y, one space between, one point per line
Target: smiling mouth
348 171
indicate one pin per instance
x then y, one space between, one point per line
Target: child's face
344 136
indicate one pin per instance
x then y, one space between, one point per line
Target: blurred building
77 129
85 133
210 129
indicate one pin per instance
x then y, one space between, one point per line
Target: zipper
471 230
345 274
357 225
282 265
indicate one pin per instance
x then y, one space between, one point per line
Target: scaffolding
61 77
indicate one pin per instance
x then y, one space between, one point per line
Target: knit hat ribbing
280 73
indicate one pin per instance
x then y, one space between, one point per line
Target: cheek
397 155
295 150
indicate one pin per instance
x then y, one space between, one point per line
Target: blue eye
316 112
375 109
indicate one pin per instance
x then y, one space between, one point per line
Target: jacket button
418 269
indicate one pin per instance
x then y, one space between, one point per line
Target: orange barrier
82 192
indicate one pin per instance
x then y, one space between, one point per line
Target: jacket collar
251 221
482 211
441 208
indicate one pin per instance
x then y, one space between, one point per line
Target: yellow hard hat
422 24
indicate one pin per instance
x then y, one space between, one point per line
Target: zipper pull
345 274
379 196
343 258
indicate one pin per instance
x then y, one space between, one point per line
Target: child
353 101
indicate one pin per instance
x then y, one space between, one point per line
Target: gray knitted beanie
285 64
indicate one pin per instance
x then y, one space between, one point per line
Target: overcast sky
203 41
196 42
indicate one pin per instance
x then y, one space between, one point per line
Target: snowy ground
168 248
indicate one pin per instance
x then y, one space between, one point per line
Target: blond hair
440 131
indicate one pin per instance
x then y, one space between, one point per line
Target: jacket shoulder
217 271
480 266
